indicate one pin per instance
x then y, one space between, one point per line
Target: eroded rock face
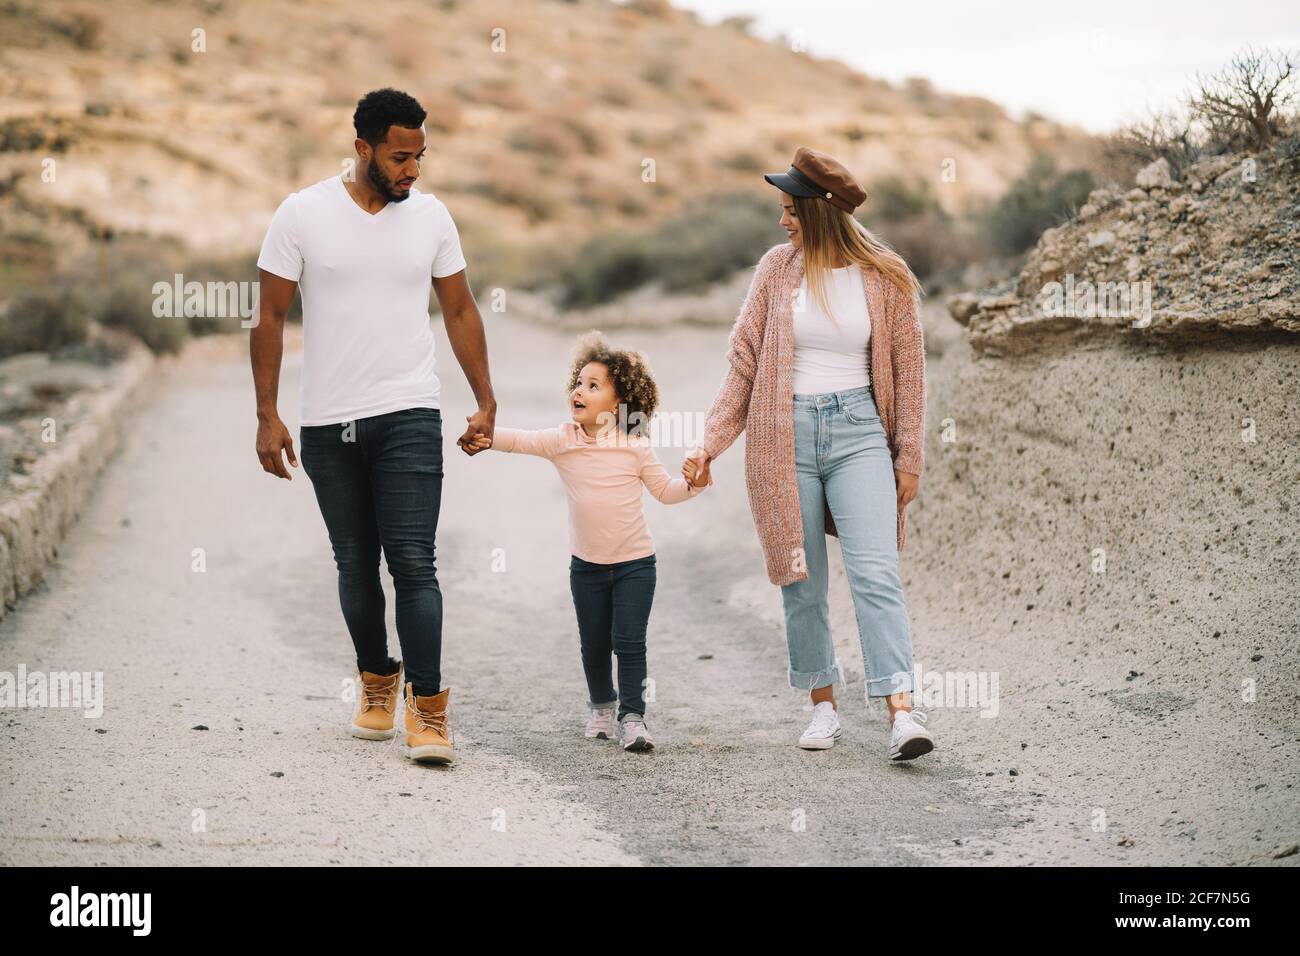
1212 253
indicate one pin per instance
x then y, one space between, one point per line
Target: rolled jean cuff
609 705
900 683
811 680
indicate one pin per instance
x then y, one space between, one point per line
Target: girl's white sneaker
907 738
634 735
824 729
600 725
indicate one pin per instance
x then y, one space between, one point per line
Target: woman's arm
726 418
907 356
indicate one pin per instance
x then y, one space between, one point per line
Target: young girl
604 457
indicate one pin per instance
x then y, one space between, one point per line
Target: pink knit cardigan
757 397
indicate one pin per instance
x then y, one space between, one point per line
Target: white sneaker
824 729
907 738
600 725
633 733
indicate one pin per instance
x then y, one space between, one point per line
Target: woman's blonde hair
830 234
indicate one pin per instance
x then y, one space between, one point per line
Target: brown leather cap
814 173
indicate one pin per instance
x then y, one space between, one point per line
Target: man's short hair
380 109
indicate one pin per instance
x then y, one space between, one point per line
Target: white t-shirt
368 344
832 356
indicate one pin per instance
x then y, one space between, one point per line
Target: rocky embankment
1113 501
1212 252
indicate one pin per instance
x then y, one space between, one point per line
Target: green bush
703 243
242 268
1043 197
933 245
894 199
43 321
128 305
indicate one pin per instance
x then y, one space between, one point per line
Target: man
364 250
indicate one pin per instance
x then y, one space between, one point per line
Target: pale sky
1098 64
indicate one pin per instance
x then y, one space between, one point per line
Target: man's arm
266 346
468 341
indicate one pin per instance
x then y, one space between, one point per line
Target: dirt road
253 649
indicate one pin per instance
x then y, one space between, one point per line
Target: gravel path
254 650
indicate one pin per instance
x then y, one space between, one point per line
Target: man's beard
385 185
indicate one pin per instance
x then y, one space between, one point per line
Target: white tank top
832 356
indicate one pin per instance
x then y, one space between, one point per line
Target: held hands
695 468
475 445
478 434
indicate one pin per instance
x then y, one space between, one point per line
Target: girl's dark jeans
613 605
378 482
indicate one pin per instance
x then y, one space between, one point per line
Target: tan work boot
377 706
428 739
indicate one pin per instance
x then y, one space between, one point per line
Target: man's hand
907 487
476 444
272 439
695 468
481 426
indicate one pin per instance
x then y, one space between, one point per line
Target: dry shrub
84 28
43 320
556 136
510 181
712 96
499 91
445 113
934 244
1163 135
1240 106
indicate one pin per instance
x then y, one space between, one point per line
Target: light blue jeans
842 459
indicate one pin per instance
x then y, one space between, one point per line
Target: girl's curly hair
630 375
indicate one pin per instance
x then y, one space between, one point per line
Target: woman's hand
907 487
695 468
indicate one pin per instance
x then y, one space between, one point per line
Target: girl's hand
695 468
478 443
485 417
907 487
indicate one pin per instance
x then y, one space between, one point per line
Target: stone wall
42 505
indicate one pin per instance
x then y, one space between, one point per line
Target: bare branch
1240 105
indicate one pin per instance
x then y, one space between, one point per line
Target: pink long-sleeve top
603 477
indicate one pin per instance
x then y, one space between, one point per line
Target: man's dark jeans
613 606
378 481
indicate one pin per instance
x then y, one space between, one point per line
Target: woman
827 377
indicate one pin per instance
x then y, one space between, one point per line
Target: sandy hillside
542 115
